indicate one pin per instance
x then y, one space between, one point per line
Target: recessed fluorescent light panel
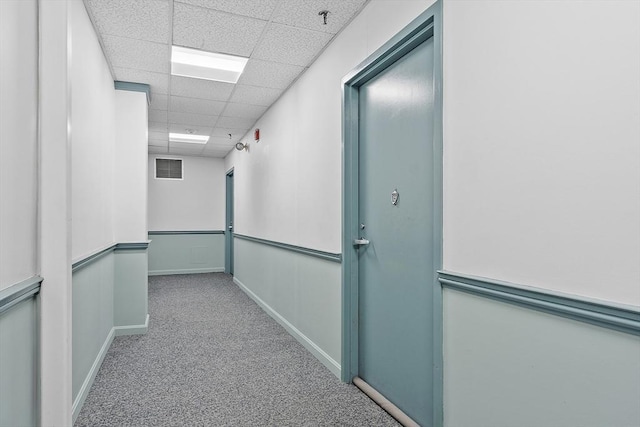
206 65
187 137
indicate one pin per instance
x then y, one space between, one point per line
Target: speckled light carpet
212 357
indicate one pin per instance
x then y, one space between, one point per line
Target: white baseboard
186 271
91 376
132 329
320 354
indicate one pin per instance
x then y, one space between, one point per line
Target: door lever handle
360 242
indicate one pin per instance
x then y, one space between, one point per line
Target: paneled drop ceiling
281 37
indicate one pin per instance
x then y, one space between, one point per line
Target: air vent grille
169 168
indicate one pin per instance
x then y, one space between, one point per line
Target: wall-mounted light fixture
240 146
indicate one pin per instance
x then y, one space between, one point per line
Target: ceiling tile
222 132
296 46
157 115
255 95
244 110
140 19
235 122
158 127
159 136
215 31
159 101
159 82
157 143
198 88
215 142
192 119
194 105
157 150
305 13
261 9
269 74
185 149
138 54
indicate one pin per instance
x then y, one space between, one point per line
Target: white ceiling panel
215 142
159 82
269 74
159 101
261 9
187 128
236 134
192 119
244 110
255 95
215 31
199 106
157 150
139 19
159 136
202 89
280 38
139 54
305 13
290 45
157 143
158 115
158 126
235 122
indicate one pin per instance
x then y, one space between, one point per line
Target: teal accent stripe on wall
99 254
166 233
601 313
19 292
134 87
299 249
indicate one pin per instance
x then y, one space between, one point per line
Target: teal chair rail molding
128 246
19 292
606 314
299 249
168 233
134 87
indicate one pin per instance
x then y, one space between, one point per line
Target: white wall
18 140
195 203
542 144
288 186
130 167
92 140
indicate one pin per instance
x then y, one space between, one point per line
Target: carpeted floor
212 357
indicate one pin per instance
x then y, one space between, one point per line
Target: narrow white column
55 213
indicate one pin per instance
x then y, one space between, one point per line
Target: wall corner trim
132 329
19 292
88 381
94 256
312 347
134 87
623 318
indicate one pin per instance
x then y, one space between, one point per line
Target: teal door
228 258
396 263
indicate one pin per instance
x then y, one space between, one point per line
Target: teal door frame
425 26
228 232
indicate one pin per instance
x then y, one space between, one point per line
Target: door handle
361 242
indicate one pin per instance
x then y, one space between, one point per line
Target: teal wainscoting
300 288
19 318
516 355
184 252
109 299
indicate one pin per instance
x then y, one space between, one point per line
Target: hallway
213 357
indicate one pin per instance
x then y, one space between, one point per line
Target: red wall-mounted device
256 135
